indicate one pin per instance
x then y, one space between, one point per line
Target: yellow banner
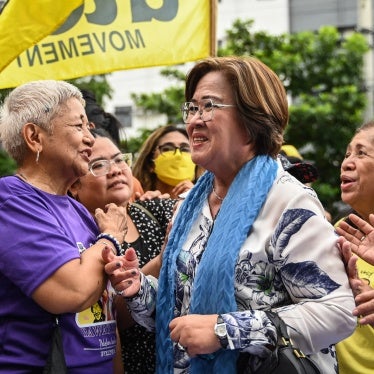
108 35
24 24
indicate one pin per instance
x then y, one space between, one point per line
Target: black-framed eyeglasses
102 167
205 108
170 147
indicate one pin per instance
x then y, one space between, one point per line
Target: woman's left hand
361 239
195 333
123 271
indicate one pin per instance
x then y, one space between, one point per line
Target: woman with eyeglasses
110 181
51 247
164 162
249 238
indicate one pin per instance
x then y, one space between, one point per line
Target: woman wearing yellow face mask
164 162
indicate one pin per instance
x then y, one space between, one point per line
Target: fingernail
107 248
118 264
134 272
355 312
129 282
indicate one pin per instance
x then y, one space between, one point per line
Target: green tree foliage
133 144
7 164
98 84
4 93
167 102
323 75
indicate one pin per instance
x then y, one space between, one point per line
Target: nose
348 163
88 138
196 118
114 168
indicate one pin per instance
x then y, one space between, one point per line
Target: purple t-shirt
39 233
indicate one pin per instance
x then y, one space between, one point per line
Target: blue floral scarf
213 288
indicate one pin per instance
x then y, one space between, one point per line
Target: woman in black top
110 181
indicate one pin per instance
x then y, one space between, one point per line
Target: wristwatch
221 332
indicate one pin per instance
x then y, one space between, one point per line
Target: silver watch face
220 330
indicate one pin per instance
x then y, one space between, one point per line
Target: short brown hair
259 95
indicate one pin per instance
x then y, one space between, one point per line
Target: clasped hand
113 220
123 271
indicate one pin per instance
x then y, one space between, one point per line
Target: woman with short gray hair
50 256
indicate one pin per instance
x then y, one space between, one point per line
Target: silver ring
362 239
120 293
181 348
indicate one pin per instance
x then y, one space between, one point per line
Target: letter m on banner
102 36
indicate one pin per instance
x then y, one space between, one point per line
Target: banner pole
213 28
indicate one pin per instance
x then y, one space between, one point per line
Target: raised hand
150 195
361 239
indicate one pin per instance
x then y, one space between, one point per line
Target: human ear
32 135
74 189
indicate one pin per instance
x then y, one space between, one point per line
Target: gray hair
36 102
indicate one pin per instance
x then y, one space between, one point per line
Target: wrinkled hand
181 187
195 332
150 195
123 271
361 239
112 220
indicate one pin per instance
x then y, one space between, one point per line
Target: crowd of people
171 265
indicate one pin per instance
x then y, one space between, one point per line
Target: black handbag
56 359
285 359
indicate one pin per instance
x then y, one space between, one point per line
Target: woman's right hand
365 308
112 220
123 271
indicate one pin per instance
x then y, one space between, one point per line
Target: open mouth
199 140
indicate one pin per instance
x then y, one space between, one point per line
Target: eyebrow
173 144
212 97
104 158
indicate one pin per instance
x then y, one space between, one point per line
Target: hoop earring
37 156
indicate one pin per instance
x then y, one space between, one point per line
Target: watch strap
222 339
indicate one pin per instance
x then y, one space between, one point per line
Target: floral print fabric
289 263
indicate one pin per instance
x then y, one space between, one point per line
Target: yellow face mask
172 168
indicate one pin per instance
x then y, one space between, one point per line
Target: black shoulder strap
279 324
147 212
